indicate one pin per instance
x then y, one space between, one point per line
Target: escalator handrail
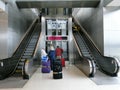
37 44
5 65
117 61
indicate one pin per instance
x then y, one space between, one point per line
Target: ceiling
61 3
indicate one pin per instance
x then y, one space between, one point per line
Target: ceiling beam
56 3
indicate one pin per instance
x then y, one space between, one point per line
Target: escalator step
83 48
87 55
30 44
33 40
29 48
27 53
21 63
22 60
19 67
86 52
18 70
26 56
17 74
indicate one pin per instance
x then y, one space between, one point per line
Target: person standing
43 55
51 55
58 52
40 16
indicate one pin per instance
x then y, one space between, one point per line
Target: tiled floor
73 79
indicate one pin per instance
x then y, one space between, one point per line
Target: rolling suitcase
63 62
57 69
45 67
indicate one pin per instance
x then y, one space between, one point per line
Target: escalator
15 65
107 65
86 61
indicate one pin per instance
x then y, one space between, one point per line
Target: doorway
57 35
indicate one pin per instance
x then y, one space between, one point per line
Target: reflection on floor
13 82
103 79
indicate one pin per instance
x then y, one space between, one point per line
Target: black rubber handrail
108 65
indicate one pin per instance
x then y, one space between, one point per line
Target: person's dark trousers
51 64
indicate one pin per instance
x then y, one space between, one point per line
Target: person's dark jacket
51 55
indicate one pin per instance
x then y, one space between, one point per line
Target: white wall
112 32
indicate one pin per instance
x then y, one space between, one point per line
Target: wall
16 26
112 31
91 19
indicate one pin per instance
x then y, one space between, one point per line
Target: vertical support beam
3 32
43 29
70 41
